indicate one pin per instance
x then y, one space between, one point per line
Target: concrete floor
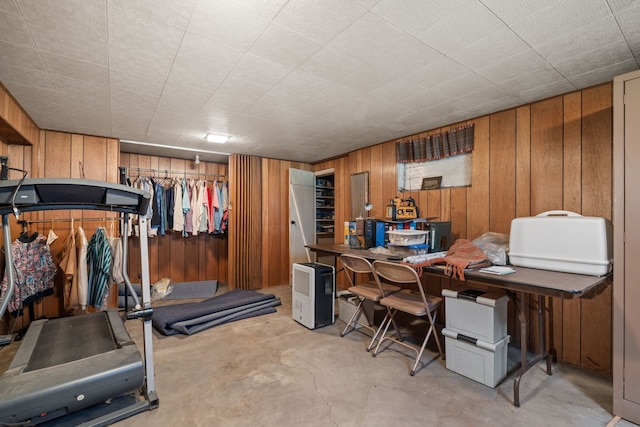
272 371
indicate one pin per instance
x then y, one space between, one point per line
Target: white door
302 220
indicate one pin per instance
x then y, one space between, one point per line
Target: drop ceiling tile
176 13
284 46
381 44
545 91
262 129
170 124
488 50
265 8
259 70
513 11
346 70
14 29
203 63
559 18
320 20
9 6
278 110
88 114
21 56
132 103
415 16
45 106
234 95
76 69
521 71
223 22
437 72
367 4
300 84
179 98
586 39
35 79
99 90
469 23
132 29
137 80
77 28
627 14
602 74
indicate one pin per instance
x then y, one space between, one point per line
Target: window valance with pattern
438 146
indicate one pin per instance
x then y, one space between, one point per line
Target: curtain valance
438 146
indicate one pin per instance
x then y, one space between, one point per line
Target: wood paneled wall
245 242
16 127
275 220
181 259
551 154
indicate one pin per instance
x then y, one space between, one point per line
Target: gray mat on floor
181 290
189 290
189 318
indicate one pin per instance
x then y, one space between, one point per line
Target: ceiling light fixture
220 139
197 160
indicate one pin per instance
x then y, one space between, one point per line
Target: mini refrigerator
313 290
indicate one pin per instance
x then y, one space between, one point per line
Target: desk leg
525 365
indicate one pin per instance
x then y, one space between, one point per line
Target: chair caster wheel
412 373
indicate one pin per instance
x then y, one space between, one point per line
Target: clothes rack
54 220
124 172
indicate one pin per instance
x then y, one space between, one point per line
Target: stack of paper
496 269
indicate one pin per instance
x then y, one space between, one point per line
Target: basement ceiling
300 80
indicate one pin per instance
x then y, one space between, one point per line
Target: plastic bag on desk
495 245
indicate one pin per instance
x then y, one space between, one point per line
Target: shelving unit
325 207
325 211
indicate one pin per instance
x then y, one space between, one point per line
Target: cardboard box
347 303
477 314
483 362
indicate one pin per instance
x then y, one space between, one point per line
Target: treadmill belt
72 338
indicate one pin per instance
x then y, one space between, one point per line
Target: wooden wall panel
597 167
568 318
552 154
478 193
546 155
245 222
502 171
16 127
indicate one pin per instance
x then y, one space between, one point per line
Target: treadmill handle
137 314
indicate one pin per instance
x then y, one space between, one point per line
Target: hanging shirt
210 209
99 264
178 215
117 275
81 280
34 272
204 205
169 206
68 265
186 209
196 206
217 203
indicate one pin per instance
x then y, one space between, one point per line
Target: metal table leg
525 364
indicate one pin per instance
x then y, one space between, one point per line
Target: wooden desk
519 286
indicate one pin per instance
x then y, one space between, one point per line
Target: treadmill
79 370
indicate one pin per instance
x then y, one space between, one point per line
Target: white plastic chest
562 241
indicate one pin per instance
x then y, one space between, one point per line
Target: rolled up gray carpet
189 318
